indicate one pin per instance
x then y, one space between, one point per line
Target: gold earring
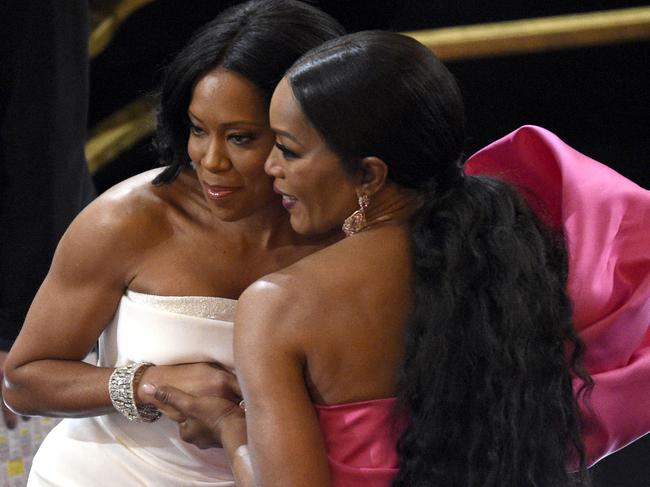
357 220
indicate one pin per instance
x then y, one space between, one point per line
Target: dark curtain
44 181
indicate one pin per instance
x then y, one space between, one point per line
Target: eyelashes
286 152
238 138
241 138
194 130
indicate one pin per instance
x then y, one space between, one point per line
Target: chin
310 230
300 227
230 214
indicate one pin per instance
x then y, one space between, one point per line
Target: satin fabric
110 450
605 220
360 438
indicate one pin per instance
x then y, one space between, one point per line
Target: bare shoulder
134 207
333 274
116 226
272 298
273 312
342 279
135 197
296 287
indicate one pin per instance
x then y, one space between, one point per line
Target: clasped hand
197 396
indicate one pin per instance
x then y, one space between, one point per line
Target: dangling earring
357 220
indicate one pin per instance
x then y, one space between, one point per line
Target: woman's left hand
200 419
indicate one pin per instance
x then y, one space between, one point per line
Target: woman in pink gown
482 402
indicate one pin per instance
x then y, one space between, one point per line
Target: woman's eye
286 153
194 130
241 139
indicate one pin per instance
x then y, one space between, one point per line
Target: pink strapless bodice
605 220
360 439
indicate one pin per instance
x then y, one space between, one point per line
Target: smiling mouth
219 192
288 201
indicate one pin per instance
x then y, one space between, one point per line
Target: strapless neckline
388 401
210 307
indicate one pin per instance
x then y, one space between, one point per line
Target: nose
215 157
273 165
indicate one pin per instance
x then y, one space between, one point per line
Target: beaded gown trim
211 307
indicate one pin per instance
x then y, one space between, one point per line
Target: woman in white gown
153 270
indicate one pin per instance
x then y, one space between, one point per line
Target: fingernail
149 388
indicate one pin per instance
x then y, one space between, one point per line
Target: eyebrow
232 123
287 135
243 122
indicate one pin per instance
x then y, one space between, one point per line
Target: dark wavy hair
491 350
259 40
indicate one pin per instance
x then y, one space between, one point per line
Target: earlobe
374 172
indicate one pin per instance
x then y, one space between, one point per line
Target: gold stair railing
103 33
534 35
130 124
119 132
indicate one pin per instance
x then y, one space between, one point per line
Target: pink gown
606 220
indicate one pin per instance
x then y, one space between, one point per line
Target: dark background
596 99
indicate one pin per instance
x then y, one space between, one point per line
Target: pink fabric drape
606 221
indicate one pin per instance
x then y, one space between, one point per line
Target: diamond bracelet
120 389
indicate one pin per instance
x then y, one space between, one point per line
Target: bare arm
284 437
100 254
91 267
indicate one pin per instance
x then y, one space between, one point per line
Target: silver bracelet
120 389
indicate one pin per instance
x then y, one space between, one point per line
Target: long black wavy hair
259 40
491 350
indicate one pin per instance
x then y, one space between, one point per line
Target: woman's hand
198 379
209 421
206 421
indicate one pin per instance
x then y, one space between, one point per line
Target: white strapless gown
110 450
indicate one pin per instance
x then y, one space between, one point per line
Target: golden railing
103 33
135 121
119 132
534 35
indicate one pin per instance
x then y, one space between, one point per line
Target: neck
268 227
391 204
